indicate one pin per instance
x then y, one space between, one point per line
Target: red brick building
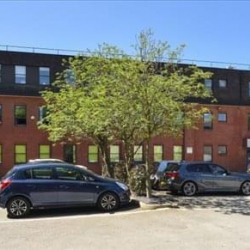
223 139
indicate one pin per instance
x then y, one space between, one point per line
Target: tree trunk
148 168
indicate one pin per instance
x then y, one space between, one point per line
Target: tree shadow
229 203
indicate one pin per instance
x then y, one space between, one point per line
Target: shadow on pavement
229 203
59 212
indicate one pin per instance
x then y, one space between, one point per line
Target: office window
248 121
42 113
114 153
222 83
207 153
222 150
70 77
20 74
44 76
158 153
207 121
20 153
69 153
1 153
92 153
208 84
44 151
20 115
138 153
0 113
222 117
177 150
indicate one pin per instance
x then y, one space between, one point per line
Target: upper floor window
114 153
93 153
69 76
0 113
44 76
207 121
158 153
222 117
42 113
20 74
222 150
177 153
208 84
20 115
222 83
138 153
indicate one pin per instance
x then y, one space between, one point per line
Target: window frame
136 152
110 153
74 147
208 127
174 152
15 121
211 146
222 154
44 76
97 154
39 151
162 152
23 74
226 83
209 88
222 113
15 153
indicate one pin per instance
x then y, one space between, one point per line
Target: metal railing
69 52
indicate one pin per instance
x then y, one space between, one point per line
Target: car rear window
10 173
173 167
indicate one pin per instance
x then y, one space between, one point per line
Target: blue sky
212 30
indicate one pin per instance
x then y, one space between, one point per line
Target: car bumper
125 197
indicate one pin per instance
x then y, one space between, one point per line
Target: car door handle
63 186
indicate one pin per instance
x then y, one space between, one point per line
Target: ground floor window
177 150
207 153
114 153
69 153
44 151
158 153
20 154
92 154
138 153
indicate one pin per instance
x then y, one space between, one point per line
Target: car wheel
18 207
108 202
245 188
189 188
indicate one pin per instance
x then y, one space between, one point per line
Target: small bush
120 172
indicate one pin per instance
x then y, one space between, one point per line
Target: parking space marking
101 215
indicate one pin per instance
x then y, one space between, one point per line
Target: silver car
195 177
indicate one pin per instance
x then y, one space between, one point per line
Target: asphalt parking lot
201 222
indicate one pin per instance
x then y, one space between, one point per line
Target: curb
146 206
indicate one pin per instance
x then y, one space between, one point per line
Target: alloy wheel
189 189
246 188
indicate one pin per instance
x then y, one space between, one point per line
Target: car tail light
173 175
4 184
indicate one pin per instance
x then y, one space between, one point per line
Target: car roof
42 165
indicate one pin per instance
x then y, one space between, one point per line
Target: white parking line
99 215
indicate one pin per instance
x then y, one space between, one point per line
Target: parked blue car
31 186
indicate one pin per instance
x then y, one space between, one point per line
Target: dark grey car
191 178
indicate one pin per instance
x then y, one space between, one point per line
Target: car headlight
122 186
